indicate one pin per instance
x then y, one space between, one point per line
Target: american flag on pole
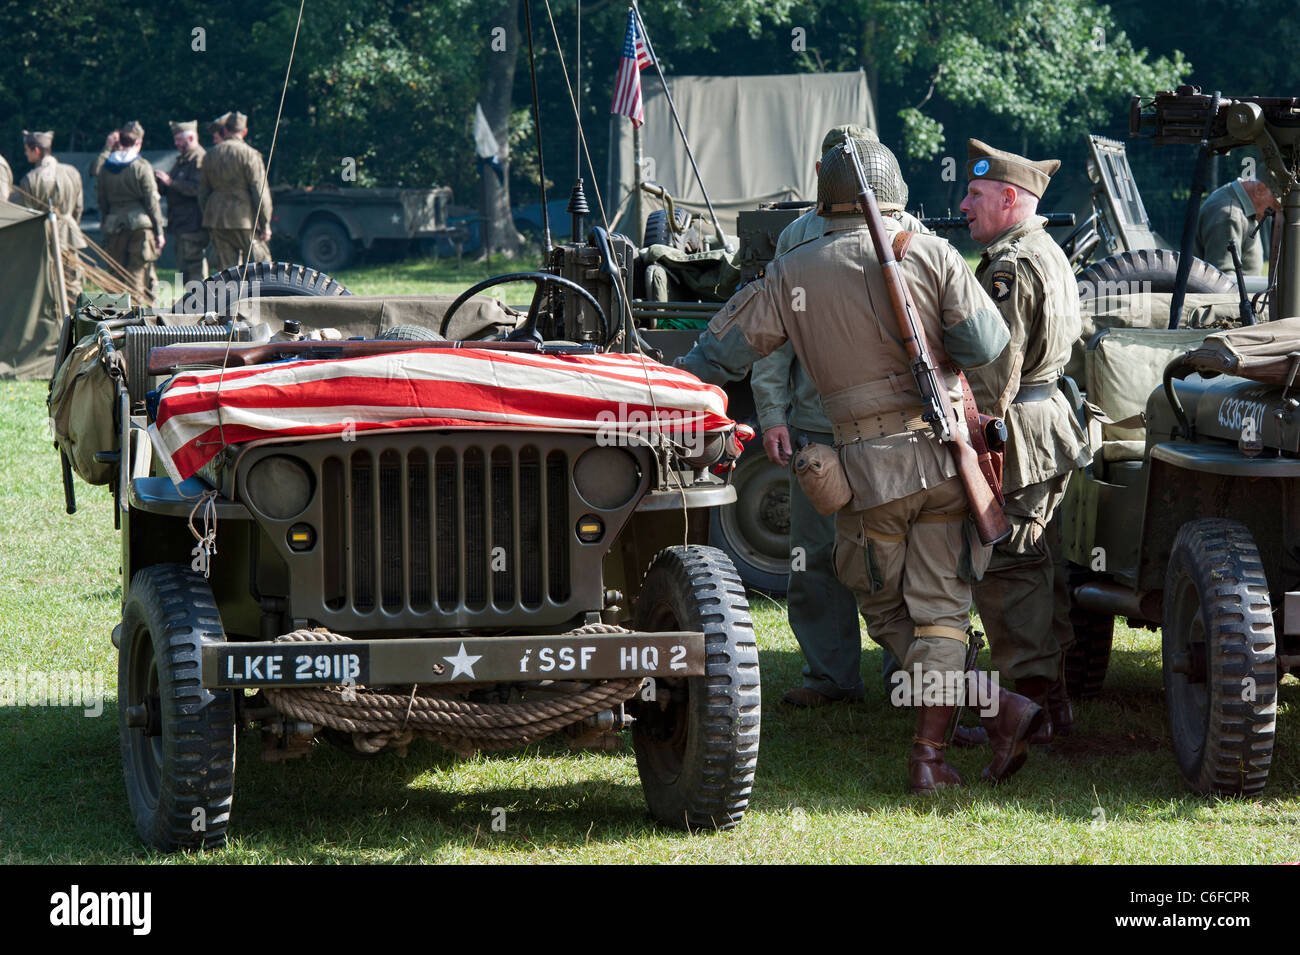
627 85
201 412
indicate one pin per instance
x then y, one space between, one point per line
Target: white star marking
462 662
396 217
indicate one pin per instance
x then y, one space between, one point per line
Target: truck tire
259 279
325 245
754 531
178 739
1088 659
696 741
1157 266
1219 658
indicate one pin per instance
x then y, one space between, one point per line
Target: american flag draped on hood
199 413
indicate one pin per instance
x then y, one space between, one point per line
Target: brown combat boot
1059 709
970 736
1016 720
927 770
1036 688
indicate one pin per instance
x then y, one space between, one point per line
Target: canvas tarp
29 313
756 138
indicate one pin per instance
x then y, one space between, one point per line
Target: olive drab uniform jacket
1229 213
783 392
1027 275
183 212
51 183
230 183
128 197
846 337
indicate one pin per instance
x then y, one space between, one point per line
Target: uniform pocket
856 564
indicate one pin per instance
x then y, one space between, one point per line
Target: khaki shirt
51 183
1228 213
783 392
1027 274
6 180
128 197
827 297
230 183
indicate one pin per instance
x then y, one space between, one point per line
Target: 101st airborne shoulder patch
1002 282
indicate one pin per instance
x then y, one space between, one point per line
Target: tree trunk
498 227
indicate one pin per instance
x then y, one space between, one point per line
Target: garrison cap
43 140
188 126
838 134
219 124
236 122
985 162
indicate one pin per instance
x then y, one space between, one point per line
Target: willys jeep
1186 519
481 583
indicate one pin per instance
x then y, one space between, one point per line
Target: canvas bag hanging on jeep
82 405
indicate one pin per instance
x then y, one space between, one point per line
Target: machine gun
1221 124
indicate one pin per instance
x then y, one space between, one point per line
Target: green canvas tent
29 309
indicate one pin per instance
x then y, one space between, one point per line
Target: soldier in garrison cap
181 189
51 184
823 612
129 210
234 198
903 542
1022 599
6 180
1236 211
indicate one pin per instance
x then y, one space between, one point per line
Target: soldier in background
1022 599
6 179
128 208
51 184
217 128
233 196
902 543
184 218
1235 211
823 612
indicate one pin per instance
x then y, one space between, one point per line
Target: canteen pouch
83 406
822 477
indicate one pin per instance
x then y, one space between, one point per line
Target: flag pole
676 119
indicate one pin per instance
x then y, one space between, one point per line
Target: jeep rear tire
178 739
754 531
1159 267
696 742
1219 659
325 245
1088 659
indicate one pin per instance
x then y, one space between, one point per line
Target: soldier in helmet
903 542
128 207
52 185
184 218
233 196
1022 599
823 612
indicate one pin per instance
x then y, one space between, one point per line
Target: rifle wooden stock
990 520
167 359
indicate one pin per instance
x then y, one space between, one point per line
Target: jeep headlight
607 478
279 486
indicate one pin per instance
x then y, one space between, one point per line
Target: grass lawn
831 784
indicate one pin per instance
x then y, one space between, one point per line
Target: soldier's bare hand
265 234
110 142
162 240
162 177
776 442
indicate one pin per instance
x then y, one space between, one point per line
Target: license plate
293 665
456 660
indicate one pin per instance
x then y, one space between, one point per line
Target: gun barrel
1055 220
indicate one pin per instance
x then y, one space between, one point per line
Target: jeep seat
1123 366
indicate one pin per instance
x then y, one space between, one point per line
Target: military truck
1182 522
326 225
482 583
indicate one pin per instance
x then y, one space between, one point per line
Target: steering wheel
528 330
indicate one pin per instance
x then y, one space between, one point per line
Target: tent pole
676 119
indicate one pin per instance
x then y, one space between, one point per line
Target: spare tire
1159 267
659 232
256 280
